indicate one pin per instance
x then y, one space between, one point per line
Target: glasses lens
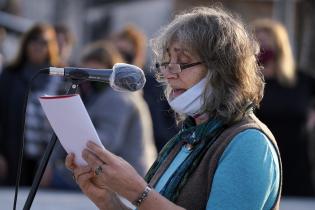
170 67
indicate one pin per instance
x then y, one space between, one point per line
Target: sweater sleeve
247 176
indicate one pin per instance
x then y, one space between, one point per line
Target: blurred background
95 19
127 26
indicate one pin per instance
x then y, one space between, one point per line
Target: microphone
122 77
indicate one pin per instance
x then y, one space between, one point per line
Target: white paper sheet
71 122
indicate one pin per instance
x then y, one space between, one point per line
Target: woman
66 43
223 157
287 98
38 49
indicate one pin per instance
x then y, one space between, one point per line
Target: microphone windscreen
127 77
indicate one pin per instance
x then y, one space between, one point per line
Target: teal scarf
201 137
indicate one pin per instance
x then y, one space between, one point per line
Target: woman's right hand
101 196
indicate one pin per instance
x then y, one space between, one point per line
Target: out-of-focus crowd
122 119
136 125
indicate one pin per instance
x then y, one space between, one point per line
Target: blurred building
92 19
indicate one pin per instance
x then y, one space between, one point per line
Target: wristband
142 196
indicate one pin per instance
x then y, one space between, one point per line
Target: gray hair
234 79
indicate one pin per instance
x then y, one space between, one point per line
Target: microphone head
126 77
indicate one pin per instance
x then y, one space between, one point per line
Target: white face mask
190 101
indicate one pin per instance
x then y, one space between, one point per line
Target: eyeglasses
175 68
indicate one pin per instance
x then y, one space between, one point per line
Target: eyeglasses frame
182 66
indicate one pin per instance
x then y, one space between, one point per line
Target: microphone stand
43 163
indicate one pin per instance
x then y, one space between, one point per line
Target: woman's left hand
115 173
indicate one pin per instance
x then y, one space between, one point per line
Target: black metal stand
43 163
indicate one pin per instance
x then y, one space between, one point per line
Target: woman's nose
167 74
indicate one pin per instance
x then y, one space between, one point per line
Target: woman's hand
108 174
114 172
97 192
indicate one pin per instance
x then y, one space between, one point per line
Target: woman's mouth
176 92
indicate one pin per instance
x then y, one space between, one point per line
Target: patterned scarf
201 137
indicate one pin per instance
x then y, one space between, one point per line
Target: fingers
69 162
100 152
84 177
79 171
92 160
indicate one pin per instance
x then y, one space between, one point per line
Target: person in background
38 49
2 37
122 119
3 162
223 157
288 94
310 131
66 42
131 43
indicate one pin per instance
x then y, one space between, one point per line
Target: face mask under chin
189 102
